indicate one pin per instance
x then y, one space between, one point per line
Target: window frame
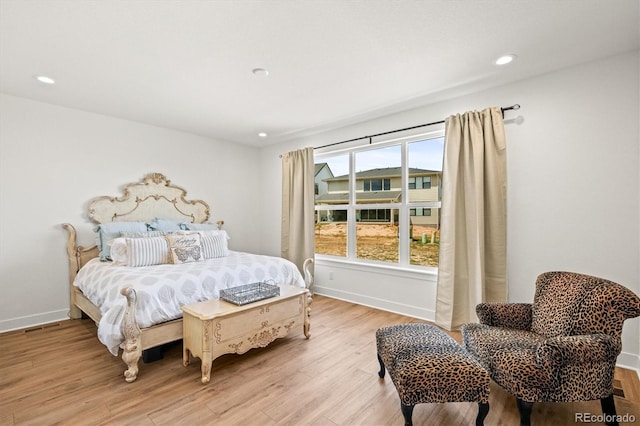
403 207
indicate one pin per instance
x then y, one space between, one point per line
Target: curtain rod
512 107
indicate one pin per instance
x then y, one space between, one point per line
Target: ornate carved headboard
152 197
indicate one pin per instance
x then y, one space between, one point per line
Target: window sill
415 272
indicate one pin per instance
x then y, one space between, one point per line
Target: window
420 182
377 185
382 202
375 215
331 232
420 212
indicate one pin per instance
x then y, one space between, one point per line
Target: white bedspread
162 289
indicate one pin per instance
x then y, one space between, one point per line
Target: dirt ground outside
379 241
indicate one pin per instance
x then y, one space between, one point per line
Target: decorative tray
249 293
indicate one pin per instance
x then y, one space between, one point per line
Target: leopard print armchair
562 347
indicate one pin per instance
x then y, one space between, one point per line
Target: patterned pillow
118 251
184 248
147 251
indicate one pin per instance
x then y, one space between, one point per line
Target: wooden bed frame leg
132 336
308 274
75 312
73 253
307 317
308 281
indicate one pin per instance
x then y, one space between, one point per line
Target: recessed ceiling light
505 59
44 79
260 72
262 134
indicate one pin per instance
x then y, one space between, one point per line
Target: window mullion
351 211
403 216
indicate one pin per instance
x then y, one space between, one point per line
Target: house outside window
381 203
419 212
420 182
377 185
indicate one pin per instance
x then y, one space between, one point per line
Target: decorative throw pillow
106 232
118 251
147 251
145 234
184 248
200 226
167 225
119 248
214 244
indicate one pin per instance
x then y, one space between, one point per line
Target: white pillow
214 244
147 251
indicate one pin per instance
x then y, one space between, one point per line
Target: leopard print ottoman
426 365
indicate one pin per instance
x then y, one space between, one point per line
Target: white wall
573 184
53 160
573 170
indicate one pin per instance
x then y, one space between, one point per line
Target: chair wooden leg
382 370
525 412
407 412
483 410
609 411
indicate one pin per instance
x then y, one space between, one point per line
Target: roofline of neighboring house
384 173
361 197
320 166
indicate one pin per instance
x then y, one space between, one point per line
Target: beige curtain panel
473 264
298 236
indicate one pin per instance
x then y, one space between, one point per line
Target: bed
134 290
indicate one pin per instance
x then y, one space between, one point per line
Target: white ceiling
187 64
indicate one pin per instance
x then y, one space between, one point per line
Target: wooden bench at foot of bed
215 327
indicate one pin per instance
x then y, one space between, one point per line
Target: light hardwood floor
61 374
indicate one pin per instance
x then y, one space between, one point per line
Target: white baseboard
372 302
629 361
33 320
